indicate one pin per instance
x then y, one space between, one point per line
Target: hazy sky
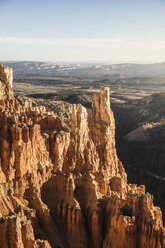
82 30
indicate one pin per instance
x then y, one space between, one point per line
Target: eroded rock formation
62 187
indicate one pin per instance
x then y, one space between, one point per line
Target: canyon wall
65 187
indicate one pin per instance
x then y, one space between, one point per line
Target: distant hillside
54 69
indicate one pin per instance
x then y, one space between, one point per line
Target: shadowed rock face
66 188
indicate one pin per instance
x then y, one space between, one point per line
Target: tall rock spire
6 79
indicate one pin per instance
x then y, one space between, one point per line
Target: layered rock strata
62 187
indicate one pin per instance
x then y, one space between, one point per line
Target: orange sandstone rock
66 188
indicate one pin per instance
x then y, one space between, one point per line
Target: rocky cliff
62 187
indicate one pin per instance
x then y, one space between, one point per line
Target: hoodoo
6 79
65 187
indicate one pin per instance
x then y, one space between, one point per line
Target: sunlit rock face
62 187
6 79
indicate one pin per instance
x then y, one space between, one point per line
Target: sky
83 30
